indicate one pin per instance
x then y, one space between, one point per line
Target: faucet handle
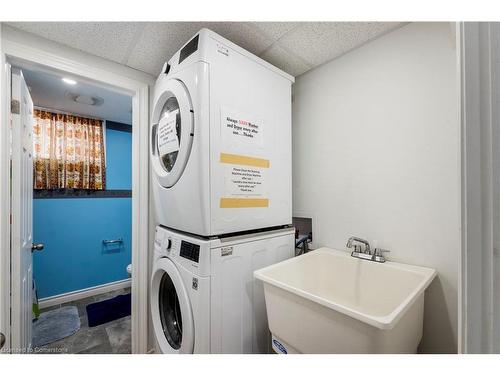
380 252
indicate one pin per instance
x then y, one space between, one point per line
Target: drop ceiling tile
243 34
158 43
319 42
286 61
109 40
146 46
276 30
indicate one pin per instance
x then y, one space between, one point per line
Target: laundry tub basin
329 302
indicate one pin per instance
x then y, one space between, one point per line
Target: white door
4 210
22 221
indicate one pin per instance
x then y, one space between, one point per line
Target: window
68 152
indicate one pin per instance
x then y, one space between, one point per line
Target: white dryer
221 140
204 298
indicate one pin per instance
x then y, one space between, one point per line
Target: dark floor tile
119 335
104 348
112 337
81 340
88 338
84 322
63 346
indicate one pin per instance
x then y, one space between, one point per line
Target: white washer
204 298
221 140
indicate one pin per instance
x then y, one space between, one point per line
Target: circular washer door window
170 309
170 312
172 132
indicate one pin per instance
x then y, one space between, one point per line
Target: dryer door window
171 120
170 312
172 131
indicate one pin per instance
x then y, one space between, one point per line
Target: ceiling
295 47
49 91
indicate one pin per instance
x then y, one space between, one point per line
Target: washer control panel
190 251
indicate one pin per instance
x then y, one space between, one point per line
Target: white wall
376 155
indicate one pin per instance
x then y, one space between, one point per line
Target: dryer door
171 131
170 309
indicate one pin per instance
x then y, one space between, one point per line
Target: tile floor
108 338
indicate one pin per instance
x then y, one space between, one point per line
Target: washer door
171 131
170 309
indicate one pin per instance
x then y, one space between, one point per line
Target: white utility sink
329 302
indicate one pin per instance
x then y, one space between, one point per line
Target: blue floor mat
55 325
109 310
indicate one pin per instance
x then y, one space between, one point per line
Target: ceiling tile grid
294 47
319 42
275 30
286 61
244 34
157 43
104 39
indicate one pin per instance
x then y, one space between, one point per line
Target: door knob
2 340
37 247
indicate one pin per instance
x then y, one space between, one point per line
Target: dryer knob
169 244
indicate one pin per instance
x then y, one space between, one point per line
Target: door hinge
15 106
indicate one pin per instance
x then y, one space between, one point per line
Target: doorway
82 162
26 57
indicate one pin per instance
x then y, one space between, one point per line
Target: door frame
480 187
4 203
12 51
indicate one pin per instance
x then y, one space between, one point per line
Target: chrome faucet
356 247
375 256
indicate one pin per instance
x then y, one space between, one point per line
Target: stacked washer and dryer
221 157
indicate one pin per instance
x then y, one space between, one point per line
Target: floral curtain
68 152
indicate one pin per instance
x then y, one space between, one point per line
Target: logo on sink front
279 346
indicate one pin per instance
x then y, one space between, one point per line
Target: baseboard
83 293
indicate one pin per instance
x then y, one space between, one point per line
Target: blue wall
118 159
72 230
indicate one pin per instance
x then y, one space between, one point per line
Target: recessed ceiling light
69 81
